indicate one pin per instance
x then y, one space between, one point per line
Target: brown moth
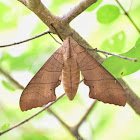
67 62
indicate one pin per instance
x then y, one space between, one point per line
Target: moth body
70 71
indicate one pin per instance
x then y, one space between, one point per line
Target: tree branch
132 99
61 25
31 4
77 10
41 11
11 78
23 2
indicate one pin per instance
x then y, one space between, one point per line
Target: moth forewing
67 62
41 89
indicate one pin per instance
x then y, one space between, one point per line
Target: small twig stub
120 56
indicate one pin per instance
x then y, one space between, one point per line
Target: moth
65 65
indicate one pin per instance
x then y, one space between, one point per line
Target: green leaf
8 86
107 14
5 126
115 44
94 6
138 42
119 67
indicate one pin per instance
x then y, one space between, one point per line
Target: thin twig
16 43
120 56
125 12
86 114
26 120
64 124
11 78
52 112
74 129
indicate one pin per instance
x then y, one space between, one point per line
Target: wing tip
28 105
117 101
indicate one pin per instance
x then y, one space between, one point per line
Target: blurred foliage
115 43
105 121
34 136
5 126
7 16
56 4
107 14
7 85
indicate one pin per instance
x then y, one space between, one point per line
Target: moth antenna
57 32
71 35
54 38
